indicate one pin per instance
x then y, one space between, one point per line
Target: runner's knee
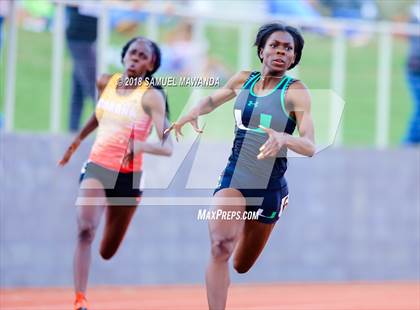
222 248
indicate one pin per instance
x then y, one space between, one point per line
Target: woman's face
139 58
278 53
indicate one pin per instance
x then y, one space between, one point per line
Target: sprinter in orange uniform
127 109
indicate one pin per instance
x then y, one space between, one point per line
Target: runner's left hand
276 140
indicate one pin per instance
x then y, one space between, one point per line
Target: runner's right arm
209 103
90 125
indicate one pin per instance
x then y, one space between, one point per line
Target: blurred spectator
185 56
350 9
181 53
126 16
37 15
126 20
298 8
81 33
4 8
413 78
303 9
353 9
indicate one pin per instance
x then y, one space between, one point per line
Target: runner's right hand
177 126
69 152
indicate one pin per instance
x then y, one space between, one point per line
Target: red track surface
353 296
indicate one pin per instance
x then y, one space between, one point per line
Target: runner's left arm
154 105
300 100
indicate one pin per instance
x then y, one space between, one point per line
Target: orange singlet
121 121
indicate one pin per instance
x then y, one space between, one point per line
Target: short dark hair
266 30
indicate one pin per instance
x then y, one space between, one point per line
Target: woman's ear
123 60
151 64
260 53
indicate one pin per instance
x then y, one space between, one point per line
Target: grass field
33 84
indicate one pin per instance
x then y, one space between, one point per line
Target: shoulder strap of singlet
112 83
289 81
114 80
254 75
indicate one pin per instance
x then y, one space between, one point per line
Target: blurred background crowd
216 53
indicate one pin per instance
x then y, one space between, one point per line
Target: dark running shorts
274 201
120 188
